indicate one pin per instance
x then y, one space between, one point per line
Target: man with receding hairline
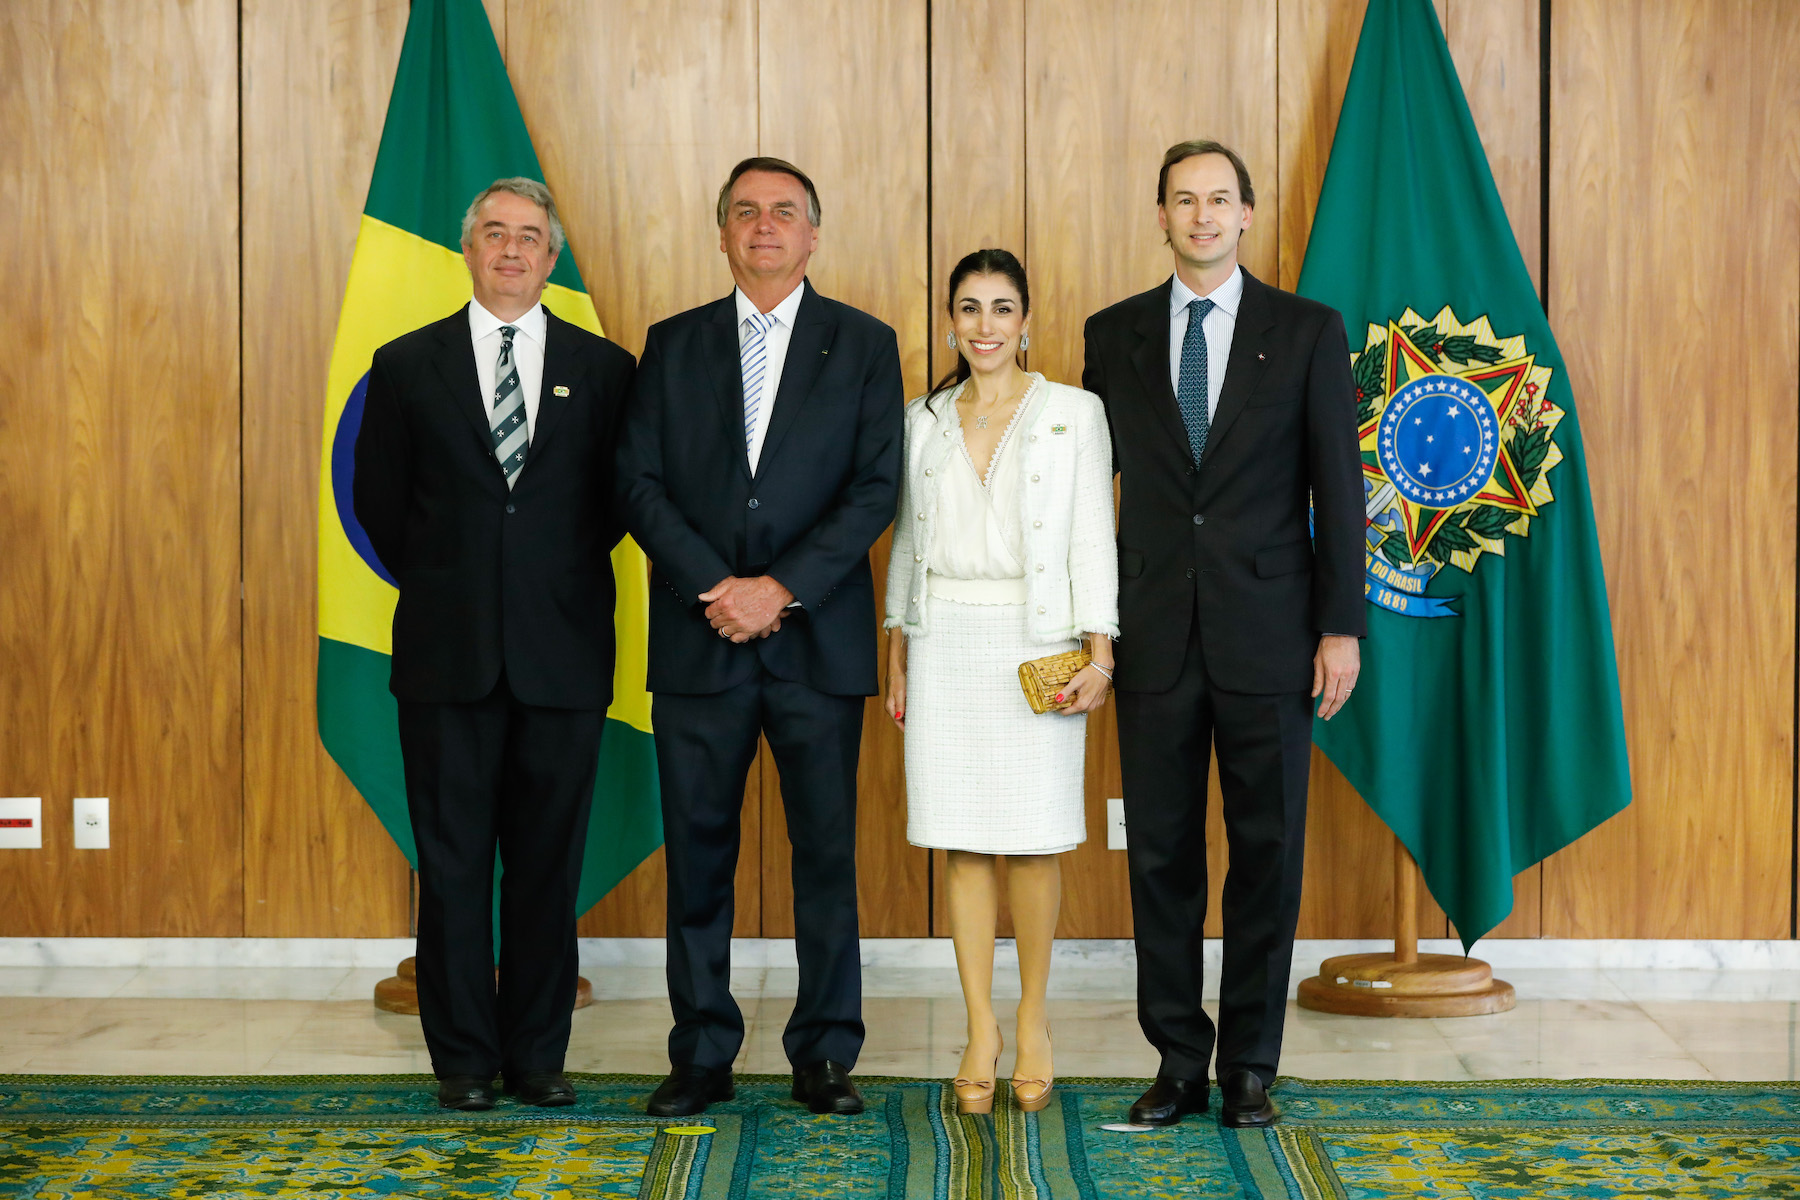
1232 411
484 479
761 460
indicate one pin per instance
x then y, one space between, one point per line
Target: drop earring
950 340
1025 341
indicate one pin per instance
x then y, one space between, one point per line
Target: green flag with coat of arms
1486 729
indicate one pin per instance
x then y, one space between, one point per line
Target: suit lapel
808 347
456 364
559 371
1152 361
1244 370
719 348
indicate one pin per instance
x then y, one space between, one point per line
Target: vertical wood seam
243 757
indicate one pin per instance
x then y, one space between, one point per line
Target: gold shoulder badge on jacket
560 390
1059 429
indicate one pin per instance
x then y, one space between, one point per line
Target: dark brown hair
991 261
1182 151
781 167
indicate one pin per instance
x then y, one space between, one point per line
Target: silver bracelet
1102 670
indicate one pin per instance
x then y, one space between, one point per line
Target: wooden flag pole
1405 983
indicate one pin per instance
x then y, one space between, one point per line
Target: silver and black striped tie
507 420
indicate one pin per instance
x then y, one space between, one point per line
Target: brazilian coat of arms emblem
1458 439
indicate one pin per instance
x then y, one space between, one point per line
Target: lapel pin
1259 358
560 390
1059 429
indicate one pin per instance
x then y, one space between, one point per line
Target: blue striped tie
754 358
1192 392
507 419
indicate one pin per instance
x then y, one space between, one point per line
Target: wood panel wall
180 468
119 471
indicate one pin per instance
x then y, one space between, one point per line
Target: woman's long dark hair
981 262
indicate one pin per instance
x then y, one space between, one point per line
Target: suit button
1199 520
1190 468
509 508
754 502
1190 572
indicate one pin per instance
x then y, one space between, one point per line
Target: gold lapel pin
560 390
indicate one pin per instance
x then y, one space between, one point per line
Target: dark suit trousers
1264 745
498 774
704 748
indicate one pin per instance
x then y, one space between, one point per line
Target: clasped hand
1083 693
741 608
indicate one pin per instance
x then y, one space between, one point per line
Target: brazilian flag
453 127
1486 728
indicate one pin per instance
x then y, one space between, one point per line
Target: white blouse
978 521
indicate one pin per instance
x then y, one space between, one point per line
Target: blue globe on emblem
1439 436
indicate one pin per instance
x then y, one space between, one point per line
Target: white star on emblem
1424 469
1418 420
1455 410
1429 438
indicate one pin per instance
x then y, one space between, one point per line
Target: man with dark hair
484 478
1231 406
760 461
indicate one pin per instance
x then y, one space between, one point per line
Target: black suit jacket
1230 539
825 488
490 577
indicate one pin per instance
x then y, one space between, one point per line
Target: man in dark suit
761 460
484 478
1231 406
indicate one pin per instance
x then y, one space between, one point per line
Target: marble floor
1742 1025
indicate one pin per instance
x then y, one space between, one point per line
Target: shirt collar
482 322
1226 296
784 313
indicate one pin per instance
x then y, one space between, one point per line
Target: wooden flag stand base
400 992
1406 983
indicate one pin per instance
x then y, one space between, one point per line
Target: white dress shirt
1220 324
528 356
775 343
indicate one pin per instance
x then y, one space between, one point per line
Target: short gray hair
518 185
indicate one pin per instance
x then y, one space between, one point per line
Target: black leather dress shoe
1246 1103
466 1093
825 1087
689 1089
546 1089
1168 1100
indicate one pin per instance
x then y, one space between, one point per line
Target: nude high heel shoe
1033 1095
977 1095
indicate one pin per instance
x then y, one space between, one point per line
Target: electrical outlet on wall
93 829
21 822
1115 823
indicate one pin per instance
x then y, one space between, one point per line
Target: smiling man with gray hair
484 479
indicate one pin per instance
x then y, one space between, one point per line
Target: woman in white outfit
1003 552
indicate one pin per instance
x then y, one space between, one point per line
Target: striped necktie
507 420
1192 392
754 359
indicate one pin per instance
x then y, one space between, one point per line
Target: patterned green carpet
383 1136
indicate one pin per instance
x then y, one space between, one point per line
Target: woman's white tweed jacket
1071 552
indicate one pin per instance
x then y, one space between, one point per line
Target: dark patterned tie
507 420
1192 392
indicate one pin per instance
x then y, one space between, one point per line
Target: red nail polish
1059 695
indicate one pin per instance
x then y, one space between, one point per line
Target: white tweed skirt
983 772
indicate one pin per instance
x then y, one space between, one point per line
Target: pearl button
1034 437
1040 566
1040 608
1034 479
921 516
946 433
918 558
928 473
1037 524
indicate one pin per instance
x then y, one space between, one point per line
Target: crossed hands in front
741 608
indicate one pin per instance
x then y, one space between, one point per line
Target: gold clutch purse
1044 678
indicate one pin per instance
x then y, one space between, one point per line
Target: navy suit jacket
1228 542
825 488
492 578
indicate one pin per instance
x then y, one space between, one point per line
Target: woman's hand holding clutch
1085 692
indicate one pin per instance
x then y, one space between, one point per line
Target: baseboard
930 953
